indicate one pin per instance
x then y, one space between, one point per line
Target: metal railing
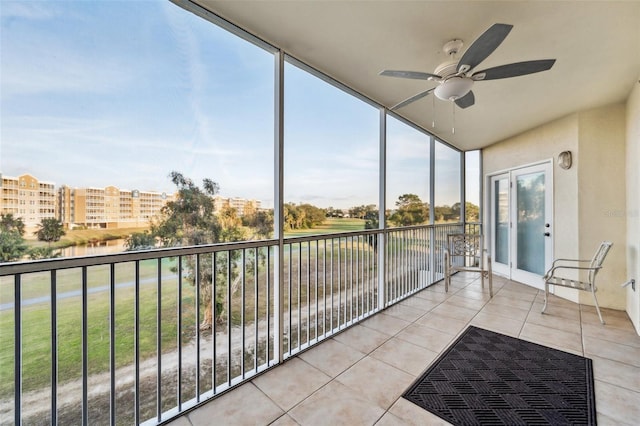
140 337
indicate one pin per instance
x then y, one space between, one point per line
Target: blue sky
123 92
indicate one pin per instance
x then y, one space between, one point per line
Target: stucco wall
588 197
602 197
633 204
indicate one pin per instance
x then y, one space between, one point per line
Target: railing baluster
228 269
255 306
242 312
197 283
54 350
17 348
317 310
136 344
85 350
159 342
179 335
112 342
214 314
268 303
308 245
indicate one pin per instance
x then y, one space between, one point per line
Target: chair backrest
467 246
598 259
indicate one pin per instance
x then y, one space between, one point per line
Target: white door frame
510 270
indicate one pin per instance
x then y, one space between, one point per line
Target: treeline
13 246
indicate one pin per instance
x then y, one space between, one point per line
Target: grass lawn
330 226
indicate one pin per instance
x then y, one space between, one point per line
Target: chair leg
490 283
446 272
595 299
546 296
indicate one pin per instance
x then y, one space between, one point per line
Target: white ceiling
596 44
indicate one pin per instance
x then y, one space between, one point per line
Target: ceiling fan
456 78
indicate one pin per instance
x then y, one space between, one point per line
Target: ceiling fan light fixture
453 88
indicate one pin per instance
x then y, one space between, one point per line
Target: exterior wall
633 204
602 195
586 196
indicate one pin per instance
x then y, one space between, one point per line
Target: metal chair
465 252
594 265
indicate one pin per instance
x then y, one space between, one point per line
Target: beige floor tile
608 421
614 319
386 324
363 339
404 312
180 421
617 403
613 351
616 373
519 288
506 311
516 295
467 302
450 310
426 337
285 420
475 293
245 405
336 404
500 299
419 303
435 296
559 311
413 415
442 323
332 357
291 382
610 334
499 324
554 322
558 339
410 358
390 420
376 380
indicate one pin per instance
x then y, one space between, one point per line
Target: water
95 249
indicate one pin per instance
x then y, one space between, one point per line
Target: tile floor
357 377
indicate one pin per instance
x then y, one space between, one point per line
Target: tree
191 220
12 244
410 211
50 230
140 241
261 222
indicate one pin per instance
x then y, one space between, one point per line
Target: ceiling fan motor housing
453 88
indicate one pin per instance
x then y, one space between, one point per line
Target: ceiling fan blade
514 70
483 46
466 101
409 74
412 99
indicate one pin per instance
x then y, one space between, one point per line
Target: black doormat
487 378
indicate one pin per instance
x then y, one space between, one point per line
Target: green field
330 226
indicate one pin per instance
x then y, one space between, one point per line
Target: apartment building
109 207
241 205
28 198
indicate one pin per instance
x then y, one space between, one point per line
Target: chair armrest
569 260
551 271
